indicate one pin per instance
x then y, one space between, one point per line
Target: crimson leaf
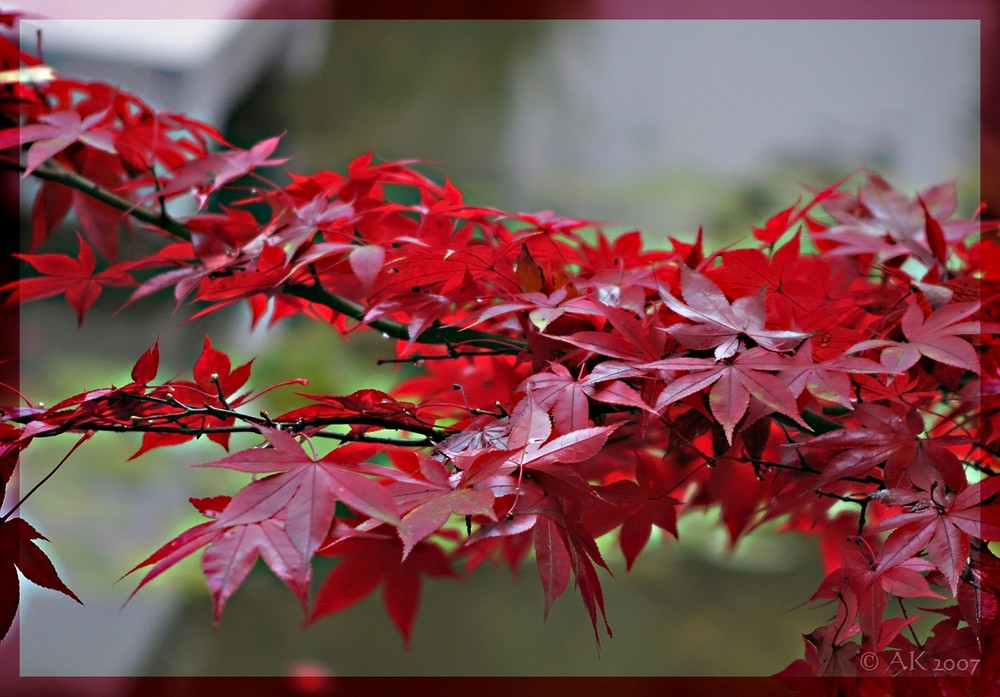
719 324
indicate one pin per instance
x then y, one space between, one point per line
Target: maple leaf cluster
838 373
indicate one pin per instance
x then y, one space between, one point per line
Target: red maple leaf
146 366
208 174
641 504
749 270
215 385
231 551
802 290
732 384
430 497
543 309
935 336
828 380
56 132
890 438
568 399
943 522
871 587
885 222
719 324
304 493
74 277
531 447
373 559
562 547
829 651
18 552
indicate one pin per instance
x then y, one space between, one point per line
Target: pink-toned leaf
553 560
719 324
366 262
229 558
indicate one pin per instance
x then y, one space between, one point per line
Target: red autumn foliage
838 374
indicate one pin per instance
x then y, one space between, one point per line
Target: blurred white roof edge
199 57
138 9
170 44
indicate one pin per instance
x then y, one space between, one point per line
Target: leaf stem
86 436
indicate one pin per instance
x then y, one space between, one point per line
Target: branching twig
396 330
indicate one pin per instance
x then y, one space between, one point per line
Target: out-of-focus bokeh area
656 125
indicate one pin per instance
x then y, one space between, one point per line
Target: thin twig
83 439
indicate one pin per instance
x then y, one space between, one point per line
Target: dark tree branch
53 171
434 335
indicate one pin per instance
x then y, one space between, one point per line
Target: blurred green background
502 109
